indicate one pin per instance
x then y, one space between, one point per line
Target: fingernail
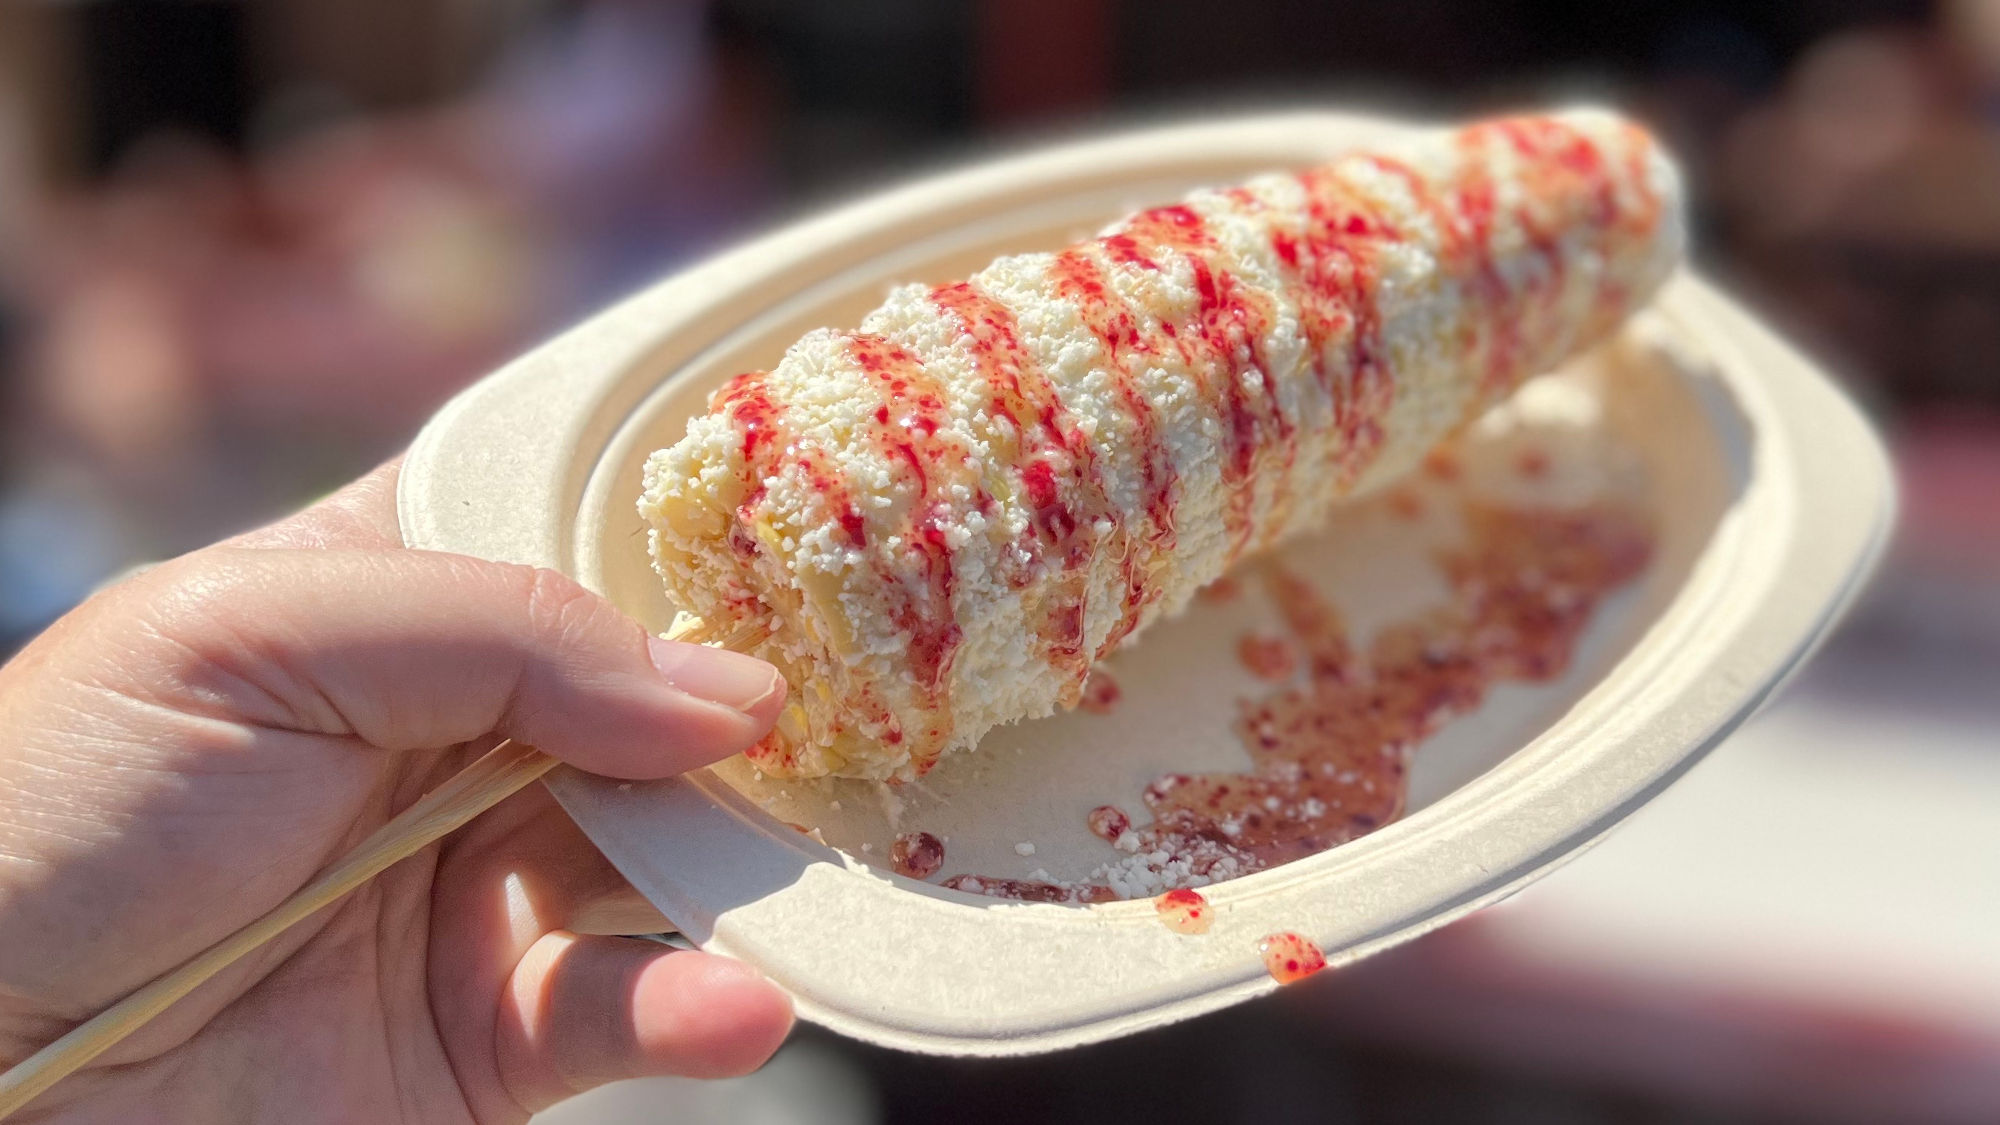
729 970
743 682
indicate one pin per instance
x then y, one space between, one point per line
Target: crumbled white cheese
1145 874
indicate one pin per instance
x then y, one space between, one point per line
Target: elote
948 515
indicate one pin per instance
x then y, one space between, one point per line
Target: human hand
189 747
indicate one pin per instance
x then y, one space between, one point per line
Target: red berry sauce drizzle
912 428
1222 344
1061 483
768 450
1079 279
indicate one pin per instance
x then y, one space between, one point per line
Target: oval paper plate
1768 496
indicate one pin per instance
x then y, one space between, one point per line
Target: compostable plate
1767 494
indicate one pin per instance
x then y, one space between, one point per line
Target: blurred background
246 248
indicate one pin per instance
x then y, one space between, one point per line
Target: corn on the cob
952 512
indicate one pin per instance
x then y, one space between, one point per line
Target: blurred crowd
219 301
246 248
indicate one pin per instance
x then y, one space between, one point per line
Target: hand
186 749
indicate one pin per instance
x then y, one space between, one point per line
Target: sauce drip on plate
1330 757
1290 958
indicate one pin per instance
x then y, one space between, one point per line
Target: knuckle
193 587
558 607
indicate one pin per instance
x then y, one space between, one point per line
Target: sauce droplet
1185 911
1109 822
917 855
1290 958
1100 693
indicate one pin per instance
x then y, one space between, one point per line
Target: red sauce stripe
1222 341
1563 183
1461 253
1638 224
769 449
1055 466
1106 314
911 430
1281 452
1570 186
1335 253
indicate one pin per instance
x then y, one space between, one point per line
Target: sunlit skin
189 746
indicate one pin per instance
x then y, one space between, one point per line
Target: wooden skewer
496 775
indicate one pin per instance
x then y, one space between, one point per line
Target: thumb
413 649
